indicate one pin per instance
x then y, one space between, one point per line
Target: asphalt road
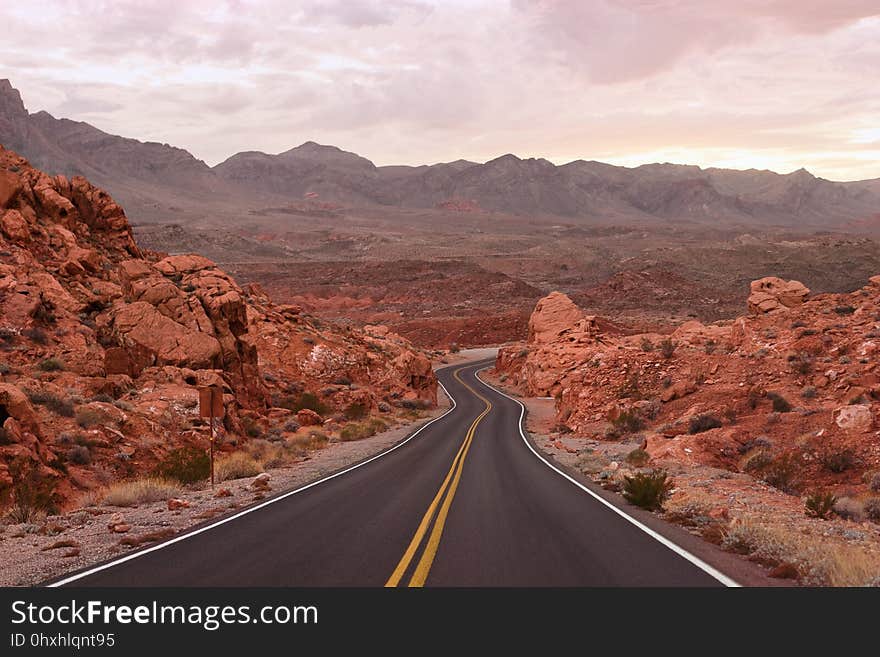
463 503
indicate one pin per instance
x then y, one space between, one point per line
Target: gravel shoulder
32 553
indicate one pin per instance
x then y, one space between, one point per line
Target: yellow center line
454 475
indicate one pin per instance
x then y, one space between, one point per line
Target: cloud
785 82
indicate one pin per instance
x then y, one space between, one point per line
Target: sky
769 84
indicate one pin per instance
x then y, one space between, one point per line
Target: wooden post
211 406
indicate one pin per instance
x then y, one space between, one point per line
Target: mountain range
147 176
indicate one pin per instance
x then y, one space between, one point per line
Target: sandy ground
35 552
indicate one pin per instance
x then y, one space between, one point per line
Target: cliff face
105 345
794 385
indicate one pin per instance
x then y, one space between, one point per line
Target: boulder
14 226
857 418
553 315
308 418
772 294
10 185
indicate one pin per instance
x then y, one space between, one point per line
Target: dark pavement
451 507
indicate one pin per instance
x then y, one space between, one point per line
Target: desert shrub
50 365
782 473
36 334
342 381
32 493
251 428
730 415
236 466
54 403
308 340
7 335
844 310
710 347
780 403
648 490
103 398
292 426
628 422
377 425
667 348
141 491
753 398
703 422
186 465
454 348
849 509
44 311
819 505
88 418
801 363
872 508
5 368
307 400
356 411
638 457
874 482
647 345
809 392
355 431
415 404
838 461
311 440
629 389
79 455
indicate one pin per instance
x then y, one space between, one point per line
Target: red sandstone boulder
772 294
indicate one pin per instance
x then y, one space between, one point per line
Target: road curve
466 502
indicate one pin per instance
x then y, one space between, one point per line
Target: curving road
463 502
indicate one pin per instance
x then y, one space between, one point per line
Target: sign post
211 406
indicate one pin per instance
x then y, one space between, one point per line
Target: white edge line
695 560
223 521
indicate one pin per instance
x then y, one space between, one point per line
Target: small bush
79 455
703 422
667 348
36 334
54 403
819 505
648 490
874 482
292 426
628 422
782 473
186 465
141 491
801 363
844 310
251 428
872 508
638 457
647 345
356 411
838 461
849 509
809 392
355 432
780 403
103 398
44 311
50 365
32 493
454 348
236 466
306 400
89 418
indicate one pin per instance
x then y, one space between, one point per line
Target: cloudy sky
775 84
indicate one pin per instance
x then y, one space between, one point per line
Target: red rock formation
85 314
800 386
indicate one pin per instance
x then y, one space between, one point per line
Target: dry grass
237 465
820 561
141 491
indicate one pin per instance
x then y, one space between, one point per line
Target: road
465 502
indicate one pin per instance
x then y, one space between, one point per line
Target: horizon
769 86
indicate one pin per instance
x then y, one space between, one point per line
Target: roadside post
211 406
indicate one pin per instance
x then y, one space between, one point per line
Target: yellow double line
447 488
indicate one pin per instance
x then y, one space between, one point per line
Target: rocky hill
103 347
787 393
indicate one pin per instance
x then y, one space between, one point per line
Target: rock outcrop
772 294
756 394
100 338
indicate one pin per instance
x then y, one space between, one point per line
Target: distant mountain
146 172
